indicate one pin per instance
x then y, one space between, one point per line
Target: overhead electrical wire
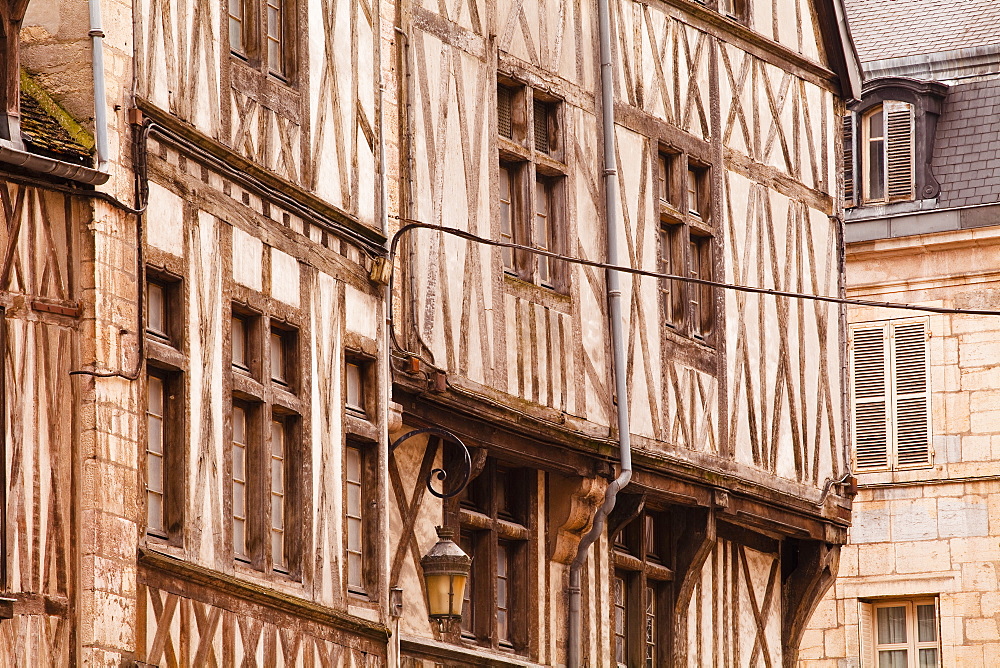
410 224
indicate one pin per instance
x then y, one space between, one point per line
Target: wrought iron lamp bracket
439 473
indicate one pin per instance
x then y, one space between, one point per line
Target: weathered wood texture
763 392
37 228
319 130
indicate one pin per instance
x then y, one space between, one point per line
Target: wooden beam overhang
220 589
533 436
263 182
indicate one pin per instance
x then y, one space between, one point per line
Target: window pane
468 612
892 659
663 179
277 357
236 25
928 658
353 515
154 454
355 393
239 336
650 627
156 321
926 624
239 482
891 625
876 169
275 45
506 214
278 449
542 232
694 205
503 628
619 621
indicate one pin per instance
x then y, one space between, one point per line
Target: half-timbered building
211 370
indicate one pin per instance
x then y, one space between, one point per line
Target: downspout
100 92
617 338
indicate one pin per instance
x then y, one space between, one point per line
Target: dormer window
887 142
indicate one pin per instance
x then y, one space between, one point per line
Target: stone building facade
924 547
211 386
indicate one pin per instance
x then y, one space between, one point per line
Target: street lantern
446 572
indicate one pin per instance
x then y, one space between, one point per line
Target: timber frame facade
200 397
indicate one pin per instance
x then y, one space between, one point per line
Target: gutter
43 165
13 153
574 638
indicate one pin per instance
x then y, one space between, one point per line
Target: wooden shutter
870 419
910 395
849 193
899 150
866 634
504 107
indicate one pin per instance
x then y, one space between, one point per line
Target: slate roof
966 158
895 28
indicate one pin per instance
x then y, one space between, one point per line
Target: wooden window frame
166 359
686 245
876 344
266 400
869 631
641 557
366 377
368 588
898 152
533 153
256 38
485 527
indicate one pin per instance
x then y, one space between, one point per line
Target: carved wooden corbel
814 567
694 539
572 504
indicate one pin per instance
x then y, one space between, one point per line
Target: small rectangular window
503 592
671 291
467 543
620 621
702 309
237 27
279 353
900 633
543 230
155 450
276 56
279 458
355 391
157 310
239 454
354 513
697 192
507 217
240 334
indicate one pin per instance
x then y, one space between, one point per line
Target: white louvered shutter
866 635
910 394
869 395
849 165
899 150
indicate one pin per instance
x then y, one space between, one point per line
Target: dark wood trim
809 569
195 581
314 209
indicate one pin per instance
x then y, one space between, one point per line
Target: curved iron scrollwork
440 474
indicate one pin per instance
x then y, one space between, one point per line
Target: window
494 517
530 189
886 151
686 244
734 9
890 395
354 513
900 634
641 596
261 32
266 432
164 452
355 380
